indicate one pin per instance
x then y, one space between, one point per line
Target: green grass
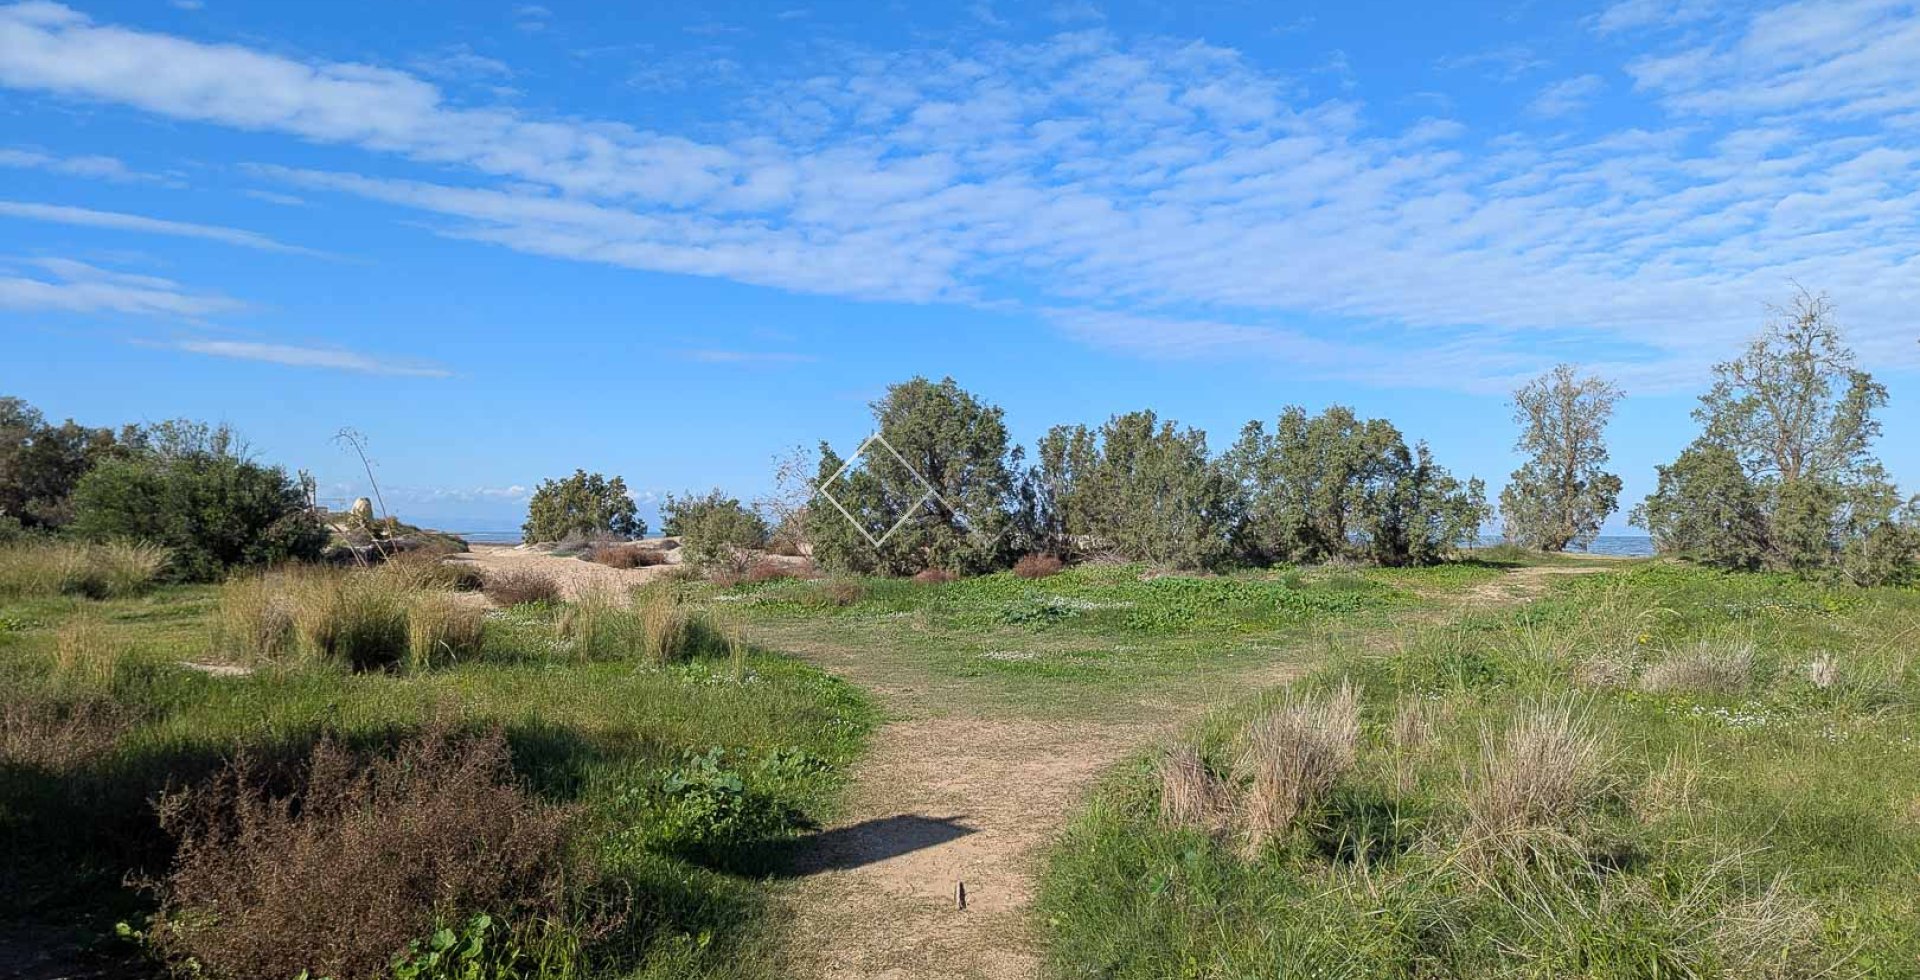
611 737
1772 830
1090 641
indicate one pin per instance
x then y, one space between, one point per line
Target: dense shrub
584 503
515 586
716 532
211 509
336 875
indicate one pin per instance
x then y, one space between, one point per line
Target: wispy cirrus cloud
1567 96
57 285
91 165
328 358
89 218
1171 182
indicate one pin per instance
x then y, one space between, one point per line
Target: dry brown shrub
362 855
1294 755
627 556
1038 566
1706 668
59 735
1543 774
516 586
1193 796
935 576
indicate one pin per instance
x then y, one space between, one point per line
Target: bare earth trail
943 799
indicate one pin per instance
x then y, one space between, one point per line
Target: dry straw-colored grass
1825 672
1542 774
1192 795
86 653
1038 566
1292 757
1704 668
442 629
96 570
254 618
351 617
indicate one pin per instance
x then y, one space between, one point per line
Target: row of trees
185 485
959 496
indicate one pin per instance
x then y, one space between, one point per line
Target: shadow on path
870 842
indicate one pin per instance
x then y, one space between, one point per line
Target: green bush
213 511
715 531
584 504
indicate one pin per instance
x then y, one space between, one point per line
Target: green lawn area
1749 806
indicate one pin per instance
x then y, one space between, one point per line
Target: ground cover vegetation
371 773
1657 771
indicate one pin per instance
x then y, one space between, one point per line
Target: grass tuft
441 630
1192 796
1542 774
516 586
1293 755
1705 668
50 567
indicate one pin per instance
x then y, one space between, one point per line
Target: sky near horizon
507 240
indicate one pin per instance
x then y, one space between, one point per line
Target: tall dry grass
95 570
1192 795
1541 775
254 617
85 653
1706 667
442 629
1293 756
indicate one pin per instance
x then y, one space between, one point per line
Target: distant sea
1623 545
506 536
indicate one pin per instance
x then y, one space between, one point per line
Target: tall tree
955 443
1560 496
1794 406
1786 447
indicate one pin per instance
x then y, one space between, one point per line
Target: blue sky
506 240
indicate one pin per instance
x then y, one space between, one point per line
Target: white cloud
92 166
1633 15
1169 181
88 218
329 358
70 286
1567 96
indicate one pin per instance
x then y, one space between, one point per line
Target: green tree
1707 509
213 508
1338 486
1139 488
715 530
1783 474
584 503
1560 496
40 463
954 442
